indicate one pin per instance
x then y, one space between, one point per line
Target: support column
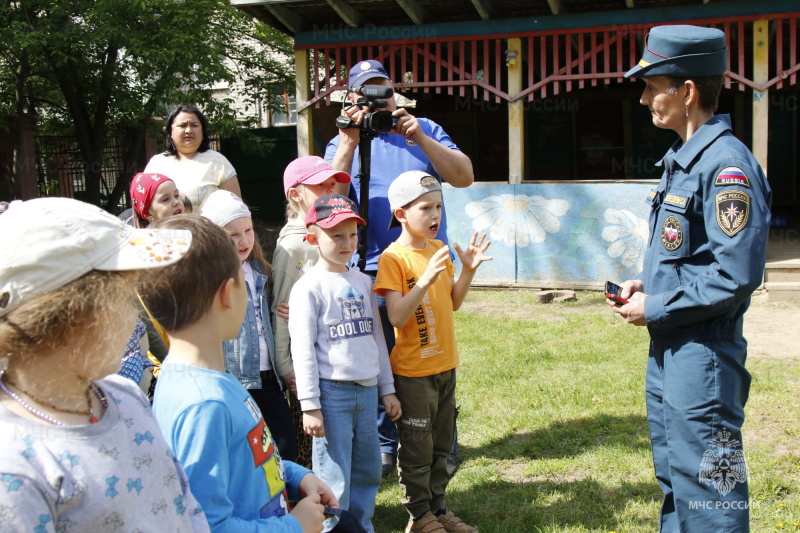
516 117
627 139
761 98
305 137
25 165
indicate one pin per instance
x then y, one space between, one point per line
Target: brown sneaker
451 522
427 524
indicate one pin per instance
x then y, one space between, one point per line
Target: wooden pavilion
533 92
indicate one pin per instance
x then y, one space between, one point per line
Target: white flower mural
627 234
517 219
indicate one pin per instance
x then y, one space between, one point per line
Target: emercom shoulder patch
732 176
733 210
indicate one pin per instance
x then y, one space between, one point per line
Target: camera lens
379 121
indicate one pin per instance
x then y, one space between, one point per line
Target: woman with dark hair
196 169
709 222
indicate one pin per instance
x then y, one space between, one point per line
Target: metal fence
61 170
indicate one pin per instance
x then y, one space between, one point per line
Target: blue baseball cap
682 51
364 71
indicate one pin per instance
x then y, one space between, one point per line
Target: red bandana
143 188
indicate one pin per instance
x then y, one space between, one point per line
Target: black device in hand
374 122
347 522
613 292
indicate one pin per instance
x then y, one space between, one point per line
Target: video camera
374 122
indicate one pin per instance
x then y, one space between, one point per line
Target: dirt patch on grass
765 430
771 329
522 304
514 472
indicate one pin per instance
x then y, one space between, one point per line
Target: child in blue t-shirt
212 423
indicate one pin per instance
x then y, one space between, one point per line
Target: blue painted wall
555 235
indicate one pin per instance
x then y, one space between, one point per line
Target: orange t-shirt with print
426 345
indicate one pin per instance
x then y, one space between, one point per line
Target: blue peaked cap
682 51
364 71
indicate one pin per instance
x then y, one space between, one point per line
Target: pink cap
312 170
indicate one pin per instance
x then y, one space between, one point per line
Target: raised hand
436 264
472 257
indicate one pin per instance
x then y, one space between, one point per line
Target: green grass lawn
553 432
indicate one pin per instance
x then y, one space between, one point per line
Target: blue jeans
387 431
348 458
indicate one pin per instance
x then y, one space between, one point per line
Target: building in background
533 92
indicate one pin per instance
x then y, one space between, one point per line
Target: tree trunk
21 73
134 140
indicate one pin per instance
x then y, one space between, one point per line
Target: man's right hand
351 136
630 287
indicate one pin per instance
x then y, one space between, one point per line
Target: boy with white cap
415 275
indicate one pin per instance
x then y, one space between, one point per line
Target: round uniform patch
410 142
671 233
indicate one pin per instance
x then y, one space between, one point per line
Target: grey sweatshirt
336 334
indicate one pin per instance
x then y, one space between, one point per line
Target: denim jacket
242 353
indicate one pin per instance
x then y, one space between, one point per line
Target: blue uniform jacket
709 225
242 354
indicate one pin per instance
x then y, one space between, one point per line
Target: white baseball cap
223 207
48 242
406 188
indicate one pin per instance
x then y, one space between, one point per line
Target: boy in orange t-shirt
415 275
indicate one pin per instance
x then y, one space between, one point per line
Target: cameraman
413 144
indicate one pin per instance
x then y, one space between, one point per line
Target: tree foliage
94 68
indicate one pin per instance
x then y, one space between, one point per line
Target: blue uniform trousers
696 392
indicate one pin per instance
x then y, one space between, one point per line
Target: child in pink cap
304 180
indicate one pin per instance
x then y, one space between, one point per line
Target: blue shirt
218 434
391 155
709 225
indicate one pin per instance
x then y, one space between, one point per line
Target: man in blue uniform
709 223
413 144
